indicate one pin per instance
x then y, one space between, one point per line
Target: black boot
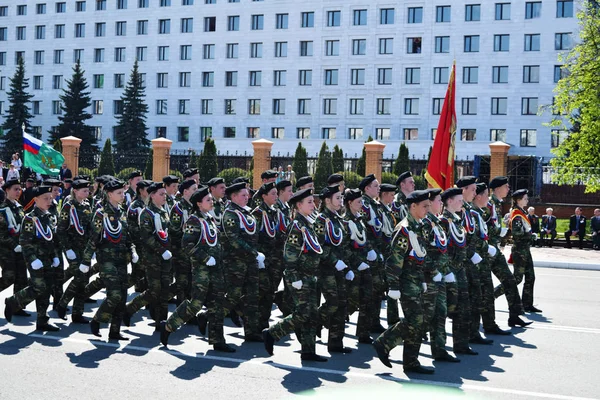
269 341
46 327
253 338
90 301
382 354
21 313
479 340
224 347
532 309
79 319
467 350
9 307
497 331
365 339
202 320
377 329
515 320
313 357
117 336
164 334
61 311
95 327
447 358
339 349
419 369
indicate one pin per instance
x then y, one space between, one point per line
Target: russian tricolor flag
31 144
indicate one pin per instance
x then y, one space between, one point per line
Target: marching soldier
171 184
133 222
386 198
133 179
406 185
59 272
217 190
191 173
268 176
337 180
282 298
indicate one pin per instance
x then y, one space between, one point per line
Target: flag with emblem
40 157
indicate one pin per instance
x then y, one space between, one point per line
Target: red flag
440 169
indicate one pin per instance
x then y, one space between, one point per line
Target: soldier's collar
495 198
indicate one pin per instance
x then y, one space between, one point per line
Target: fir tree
18 111
131 128
324 167
402 163
300 164
361 164
207 162
107 164
337 159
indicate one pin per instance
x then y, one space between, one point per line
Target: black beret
104 179
240 179
134 174
81 184
283 184
84 177
268 174
10 183
186 185
386 187
465 181
40 190
305 180
215 181
68 181
155 186
144 183
52 182
481 187
113 184
352 194
199 194
335 178
188 173
366 181
329 191
235 187
170 179
266 188
402 177
30 180
433 193
300 195
417 196
498 181
449 193
518 194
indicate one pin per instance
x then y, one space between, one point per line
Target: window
183 133
21 33
56 107
386 46
329 106
162 80
205 133
233 23
306 48
500 74
501 42
355 133
469 106
117 107
185 79
40 32
191 2
119 81
440 75
142 27
359 47
532 42
333 18
121 4
231 78
413 45
208 51
57 81
163 53
281 49
357 76
332 48
413 76
161 107
279 78
59 56
255 78
254 106
2 58
80 6
411 106
258 22
415 15
502 11
360 17
184 106
472 44
564 9
303 133
472 12
142 80
165 3
141 53
533 9
229 132
78 55
164 26
253 133
386 16
528 137
98 55
22 10
559 73
467 134
232 50
3 35
328 133
498 135
437 104
187 25
208 79
256 50
100 29
442 44
185 52
384 106
281 21
382 133
206 106
384 76
98 81
160 132
529 105
557 137
119 54
531 74
100 5
97 107
499 105
410 134
357 106
305 77
38 57
35 107
278 106
442 14
277 133
562 41
61 7
308 20
303 106
121 28
40 8
59 31
19 55
331 77
470 75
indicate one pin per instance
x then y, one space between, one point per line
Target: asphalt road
556 357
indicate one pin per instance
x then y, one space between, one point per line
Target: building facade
289 71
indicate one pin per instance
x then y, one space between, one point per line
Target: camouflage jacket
284 216
457 240
240 229
469 222
330 230
218 211
399 207
74 224
302 251
493 217
268 230
38 237
356 242
387 230
169 204
201 238
480 236
11 221
179 215
154 230
133 218
405 263
129 196
520 228
437 247
371 212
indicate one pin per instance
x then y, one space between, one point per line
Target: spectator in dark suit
576 228
595 225
65 173
534 220
548 227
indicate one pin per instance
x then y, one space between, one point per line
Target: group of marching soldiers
222 251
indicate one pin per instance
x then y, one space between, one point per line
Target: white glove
424 286
476 259
371 255
491 250
211 261
167 255
84 268
437 278
70 254
260 257
297 285
93 260
18 249
36 264
450 278
261 265
363 266
55 262
535 236
394 294
503 231
381 257
340 265
134 257
350 275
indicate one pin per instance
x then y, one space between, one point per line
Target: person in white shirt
13 173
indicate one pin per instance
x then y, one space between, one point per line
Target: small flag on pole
40 157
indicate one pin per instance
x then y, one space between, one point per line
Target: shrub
351 179
230 174
388 177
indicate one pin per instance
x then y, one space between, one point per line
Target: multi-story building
288 70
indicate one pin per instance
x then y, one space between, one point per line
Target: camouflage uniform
59 272
129 196
217 212
389 223
13 265
404 269
169 204
181 261
521 253
399 210
283 298
302 254
133 221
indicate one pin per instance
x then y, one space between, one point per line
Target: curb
566 265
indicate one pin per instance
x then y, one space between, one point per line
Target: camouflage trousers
462 316
488 310
304 316
429 304
475 298
523 266
508 285
38 290
138 273
113 273
268 282
379 288
332 313
14 270
76 288
360 298
58 277
158 278
242 279
438 322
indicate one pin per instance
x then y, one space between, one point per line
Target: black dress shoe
202 320
235 318
365 340
515 320
9 309
126 319
224 347
79 319
253 338
339 349
382 354
497 331
117 336
269 341
61 311
90 301
377 329
480 340
313 357
468 351
532 309
46 327
95 327
164 333
21 313
419 369
447 358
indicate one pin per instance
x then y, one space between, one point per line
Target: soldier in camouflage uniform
406 281
217 191
192 173
200 242
302 253
130 194
171 184
133 222
39 246
283 298
73 233
268 176
386 198
59 272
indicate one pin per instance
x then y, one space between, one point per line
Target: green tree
131 126
337 159
300 164
361 164
75 103
207 162
18 111
402 163
107 164
577 93
149 165
194 160
324 167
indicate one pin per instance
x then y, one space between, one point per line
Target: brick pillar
70 151
374 152
161 160
262 160
499 159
